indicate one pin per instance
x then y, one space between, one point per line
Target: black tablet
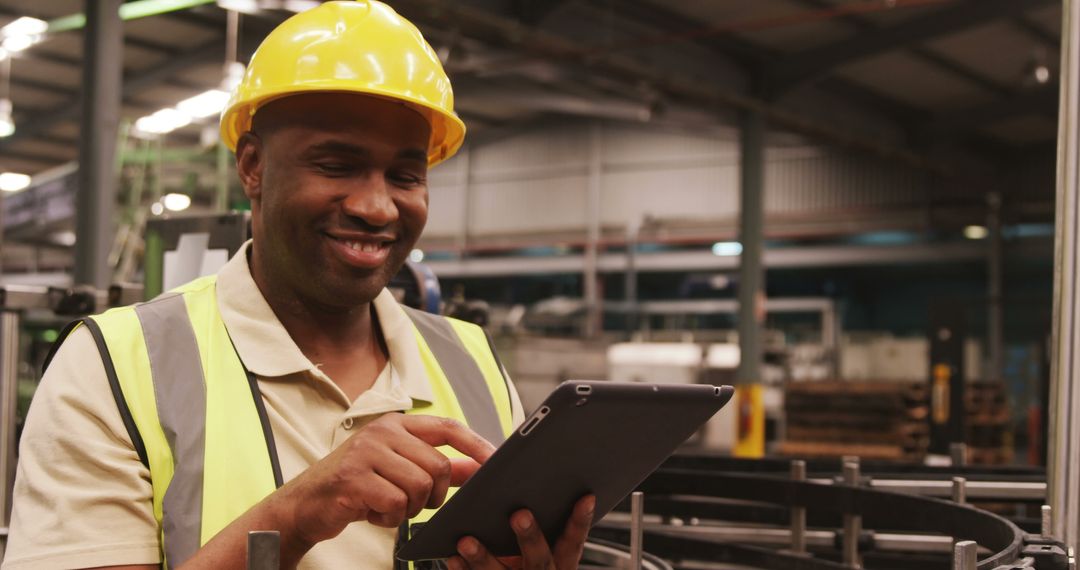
602 438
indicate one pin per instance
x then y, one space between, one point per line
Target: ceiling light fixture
976 232
7 123
204 104
14 181
162 121
727 248
256 6
245 6
25 26
23 33
65 237
176 202
1041 74
15 44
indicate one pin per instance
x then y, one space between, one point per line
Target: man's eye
332 167
405 178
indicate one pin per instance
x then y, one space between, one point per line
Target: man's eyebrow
417 154
340 147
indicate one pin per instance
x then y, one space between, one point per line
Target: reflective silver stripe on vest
180 394
462 372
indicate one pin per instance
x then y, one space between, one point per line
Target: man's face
338 189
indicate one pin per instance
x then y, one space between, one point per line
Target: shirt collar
267 350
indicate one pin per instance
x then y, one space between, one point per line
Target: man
266 397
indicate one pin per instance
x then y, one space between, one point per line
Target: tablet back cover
587 437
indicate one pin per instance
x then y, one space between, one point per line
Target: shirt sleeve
82 497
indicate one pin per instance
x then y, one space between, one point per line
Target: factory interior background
847 208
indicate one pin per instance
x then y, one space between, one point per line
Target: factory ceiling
909 80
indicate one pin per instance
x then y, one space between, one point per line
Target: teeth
363 246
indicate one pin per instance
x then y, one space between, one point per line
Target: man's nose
371 201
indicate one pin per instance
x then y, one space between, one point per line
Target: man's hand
535 552
386 473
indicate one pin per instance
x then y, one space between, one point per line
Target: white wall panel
553 149
446 210
537 181
449 172
625 144
524 206
685 193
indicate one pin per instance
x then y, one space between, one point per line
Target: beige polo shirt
83 498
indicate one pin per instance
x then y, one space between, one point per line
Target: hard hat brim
447 129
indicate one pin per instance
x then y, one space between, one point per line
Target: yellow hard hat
356 46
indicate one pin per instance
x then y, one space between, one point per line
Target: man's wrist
279 513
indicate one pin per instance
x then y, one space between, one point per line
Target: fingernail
523 522
468 547
590 506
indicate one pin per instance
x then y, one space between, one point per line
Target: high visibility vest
196 416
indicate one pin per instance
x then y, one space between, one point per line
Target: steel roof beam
43 121
539 44
534 12
1038 102
36 157
749 57
43 86
1037 32
816 62
864 25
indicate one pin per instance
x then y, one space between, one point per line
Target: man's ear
249 164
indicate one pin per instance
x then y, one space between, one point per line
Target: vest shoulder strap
471 370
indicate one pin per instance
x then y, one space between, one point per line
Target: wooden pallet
830 449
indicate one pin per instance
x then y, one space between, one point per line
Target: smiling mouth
365 246
366 252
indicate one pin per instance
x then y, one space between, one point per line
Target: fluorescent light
13 181
204 104
176 202
417 255
15 44
245 6
256 6
66 237
7 124
163 121
25 26
299 5
976 232
727 248
1042 74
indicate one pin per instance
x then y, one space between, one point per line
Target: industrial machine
705 511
